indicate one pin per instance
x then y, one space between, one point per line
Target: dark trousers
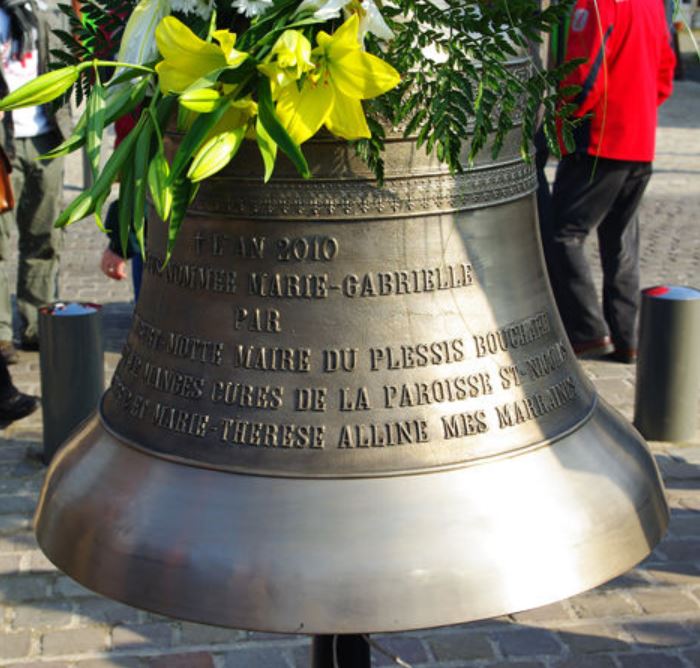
602 195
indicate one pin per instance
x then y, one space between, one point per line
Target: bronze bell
347 409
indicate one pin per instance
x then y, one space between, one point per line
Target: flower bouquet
275 72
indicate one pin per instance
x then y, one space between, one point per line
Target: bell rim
395 597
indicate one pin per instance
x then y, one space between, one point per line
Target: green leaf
268 149
125 99
194 138
73 143
126 198
275 129
104 181
95 112
183 193
78 209
99 204
141 160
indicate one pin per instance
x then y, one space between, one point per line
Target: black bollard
72 368
668 368
340 651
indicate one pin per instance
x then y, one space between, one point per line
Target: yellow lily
187 58
289 59
331 94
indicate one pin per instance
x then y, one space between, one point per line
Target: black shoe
594 349
17 406
623 356
31 345
9 352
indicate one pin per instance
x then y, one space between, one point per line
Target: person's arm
667 67
590 31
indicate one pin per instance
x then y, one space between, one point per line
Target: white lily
201 7
138 43
371 19
251 8
323 10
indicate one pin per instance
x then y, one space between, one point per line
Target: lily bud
41 90
161 193
202 100
215 154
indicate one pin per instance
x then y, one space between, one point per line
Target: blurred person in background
26 134
627 73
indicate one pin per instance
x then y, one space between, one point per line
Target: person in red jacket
627 73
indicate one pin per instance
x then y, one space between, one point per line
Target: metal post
340 651
72 368
668 368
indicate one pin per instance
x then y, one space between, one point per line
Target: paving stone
36 562
74 641
524 642
650 661
66 587
201 634
685 526
255 657
674 574
18 588
115 662
592 639
410 650
461 647
598 605
665 601
22 542
17 503
661 634
597 661
9 563
547 613
680 550
692 656
14 523
187 660
516 664
52 614
103 610
15 645
42 664
158 634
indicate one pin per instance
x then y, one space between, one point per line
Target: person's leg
7 252
39 242
585 189
618 238
13 403
137 274
8 222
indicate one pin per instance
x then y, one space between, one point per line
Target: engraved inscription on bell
347 348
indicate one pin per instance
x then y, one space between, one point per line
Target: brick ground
648 618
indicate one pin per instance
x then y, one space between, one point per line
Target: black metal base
340 651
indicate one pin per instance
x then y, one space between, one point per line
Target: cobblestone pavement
648 618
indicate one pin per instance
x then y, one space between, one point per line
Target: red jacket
627 74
